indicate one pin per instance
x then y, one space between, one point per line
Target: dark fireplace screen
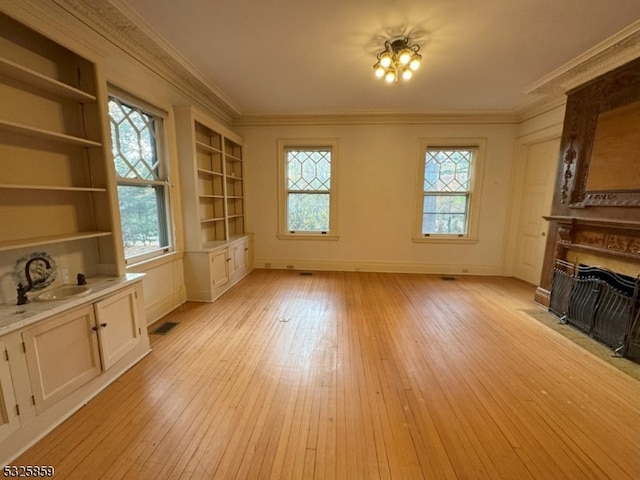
601 303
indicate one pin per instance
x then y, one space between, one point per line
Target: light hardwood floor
357 376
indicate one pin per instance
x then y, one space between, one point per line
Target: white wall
377 188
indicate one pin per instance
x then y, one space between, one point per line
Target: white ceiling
316 56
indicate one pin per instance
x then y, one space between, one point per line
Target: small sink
64 292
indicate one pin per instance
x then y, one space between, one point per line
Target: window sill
444 239
306 236
143 265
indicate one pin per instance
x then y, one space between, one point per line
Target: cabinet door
239 257
239 263
9 420
118 325
244 251
233 258
219 267
62 354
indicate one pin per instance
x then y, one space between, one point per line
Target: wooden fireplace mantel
595 213
619 239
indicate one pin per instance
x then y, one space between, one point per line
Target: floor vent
165 328
306 273
448 278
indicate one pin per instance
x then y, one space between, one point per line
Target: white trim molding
617 50
475 192
384 267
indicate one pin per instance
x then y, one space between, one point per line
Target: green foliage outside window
308 212
308 183
139 214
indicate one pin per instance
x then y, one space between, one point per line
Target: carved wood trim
569 157
619 240
620 198
619 87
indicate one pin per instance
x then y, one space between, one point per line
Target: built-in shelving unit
210 185
54 182
50 239
218 249
212 180
47 84
234 187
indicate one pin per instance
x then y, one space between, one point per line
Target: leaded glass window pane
309 170
447 189
447 170
133 136
142 193
308 189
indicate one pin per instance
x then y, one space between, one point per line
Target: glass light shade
405 56
385 59
398 60
390 76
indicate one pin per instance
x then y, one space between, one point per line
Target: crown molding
617 50
541 106
378 119
544 104
123 27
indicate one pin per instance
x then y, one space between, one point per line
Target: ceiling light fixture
397 60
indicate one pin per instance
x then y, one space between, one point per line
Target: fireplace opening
601 303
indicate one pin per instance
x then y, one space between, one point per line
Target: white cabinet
118 324
62 355
56 363
217 252
66 351
206 274
9 420
210 273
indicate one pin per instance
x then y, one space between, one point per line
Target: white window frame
283 146
475 190
161 152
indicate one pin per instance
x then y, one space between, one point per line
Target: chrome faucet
22 294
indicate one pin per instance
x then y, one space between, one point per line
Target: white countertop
14 317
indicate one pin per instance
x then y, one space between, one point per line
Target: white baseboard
389 267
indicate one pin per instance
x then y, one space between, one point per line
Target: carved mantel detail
569 157
605 237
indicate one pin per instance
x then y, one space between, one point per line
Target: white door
537 194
